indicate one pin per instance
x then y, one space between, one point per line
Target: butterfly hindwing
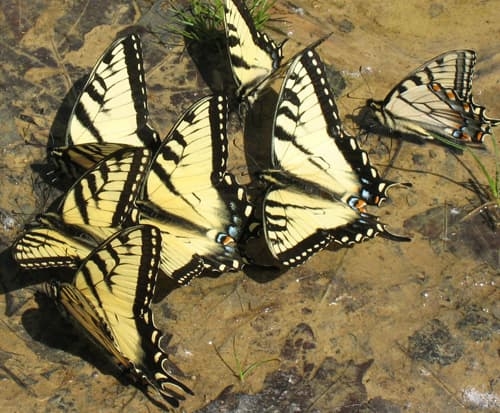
48 246
110 300
295 223
112 107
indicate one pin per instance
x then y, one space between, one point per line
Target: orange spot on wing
479 136
360 205
466 137
227 240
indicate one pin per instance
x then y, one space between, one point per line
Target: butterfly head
376 106
379 114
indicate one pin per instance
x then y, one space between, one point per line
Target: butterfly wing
436 99
303 142
180 250
74 160
309 142
48 246
453 70
112 106
321 179
110 300
103 199
296 224
253 55
188 182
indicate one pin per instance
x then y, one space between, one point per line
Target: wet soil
383 326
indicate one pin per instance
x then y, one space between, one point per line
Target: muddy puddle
383 326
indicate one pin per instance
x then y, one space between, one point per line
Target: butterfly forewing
308 139
192 159
110 298
112 106
304 130
453 70
79 309
253 55
103 199
188 190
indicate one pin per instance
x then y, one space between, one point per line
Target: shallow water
383 326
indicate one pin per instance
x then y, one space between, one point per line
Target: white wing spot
365 159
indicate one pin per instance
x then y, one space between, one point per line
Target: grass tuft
492 178
203 21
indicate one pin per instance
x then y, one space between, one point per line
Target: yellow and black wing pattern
111 110
104 197
99 203
253 55
321 180
436 99
191 197
110 298
49 244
